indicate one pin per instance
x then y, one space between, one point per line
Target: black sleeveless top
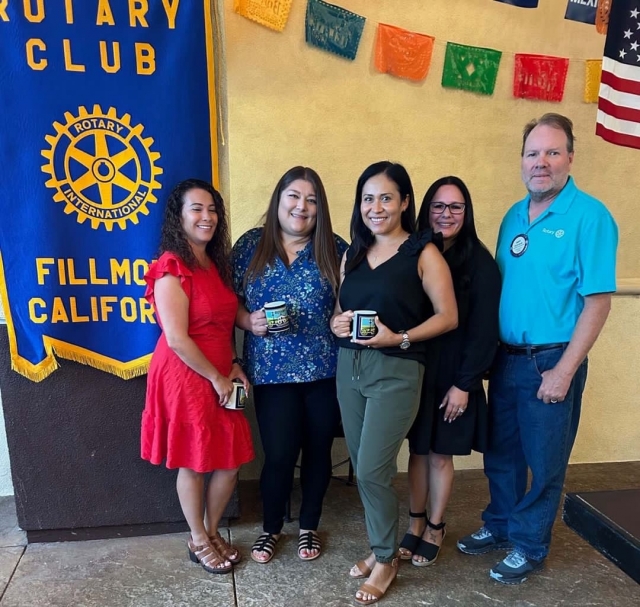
394 290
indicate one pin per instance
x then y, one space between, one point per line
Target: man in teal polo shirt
557 255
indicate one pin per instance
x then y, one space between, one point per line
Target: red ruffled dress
183 421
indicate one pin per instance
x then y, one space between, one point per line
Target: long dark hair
174 239
361 236
467 238
270 245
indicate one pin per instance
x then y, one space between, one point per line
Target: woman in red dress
185 421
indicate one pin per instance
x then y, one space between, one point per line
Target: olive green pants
379 397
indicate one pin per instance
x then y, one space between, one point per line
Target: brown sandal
376 592
208 557
365 570
228 552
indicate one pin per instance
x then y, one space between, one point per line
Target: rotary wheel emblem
101 167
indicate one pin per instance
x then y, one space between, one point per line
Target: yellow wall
286 103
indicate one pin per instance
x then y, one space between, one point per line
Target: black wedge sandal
409 541
427 550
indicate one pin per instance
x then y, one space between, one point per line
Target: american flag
619 103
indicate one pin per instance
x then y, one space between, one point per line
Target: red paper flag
403 53
539 77
619 105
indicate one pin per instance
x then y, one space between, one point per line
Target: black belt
524 349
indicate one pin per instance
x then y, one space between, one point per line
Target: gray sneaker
482 541
515 568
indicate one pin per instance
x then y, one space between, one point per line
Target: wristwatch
404 345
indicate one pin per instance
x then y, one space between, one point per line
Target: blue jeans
525 434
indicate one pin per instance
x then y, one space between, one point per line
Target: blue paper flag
333 28
582 10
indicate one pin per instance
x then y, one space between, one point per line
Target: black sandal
265 543
309 541
409 541
427 550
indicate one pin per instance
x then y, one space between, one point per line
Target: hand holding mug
341 324
384 338
238 397
277 317
258 323
223 387
238 374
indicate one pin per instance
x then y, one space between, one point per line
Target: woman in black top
405 280
453 412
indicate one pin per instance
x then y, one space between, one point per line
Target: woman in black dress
452 419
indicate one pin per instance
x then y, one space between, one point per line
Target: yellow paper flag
270 13
593 72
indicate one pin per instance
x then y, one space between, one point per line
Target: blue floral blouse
308 351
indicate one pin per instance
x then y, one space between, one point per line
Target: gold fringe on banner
592 75
42 370
33 372
38 371
124 370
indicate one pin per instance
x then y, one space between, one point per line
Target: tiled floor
154 571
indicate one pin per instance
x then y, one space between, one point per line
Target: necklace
380 251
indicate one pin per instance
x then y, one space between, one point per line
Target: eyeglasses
456 208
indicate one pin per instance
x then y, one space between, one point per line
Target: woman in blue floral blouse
294 258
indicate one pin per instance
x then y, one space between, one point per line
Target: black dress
461 358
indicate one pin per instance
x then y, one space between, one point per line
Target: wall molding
628 286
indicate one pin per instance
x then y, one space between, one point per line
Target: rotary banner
105 106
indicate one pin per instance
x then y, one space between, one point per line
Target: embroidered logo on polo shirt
556 233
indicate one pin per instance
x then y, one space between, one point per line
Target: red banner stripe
618 111
629 141
620 84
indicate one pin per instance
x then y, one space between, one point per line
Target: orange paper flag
602 16
402 53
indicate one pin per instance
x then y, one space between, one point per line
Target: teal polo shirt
549 266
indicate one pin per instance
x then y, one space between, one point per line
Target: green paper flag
471 68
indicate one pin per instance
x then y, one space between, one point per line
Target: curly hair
174 240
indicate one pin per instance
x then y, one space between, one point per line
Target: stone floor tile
575 574
155 571
9 559
10 533
131 572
